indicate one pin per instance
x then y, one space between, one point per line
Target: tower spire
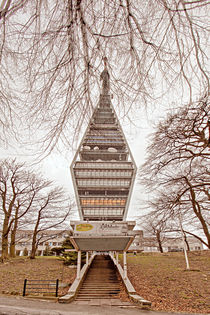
105 77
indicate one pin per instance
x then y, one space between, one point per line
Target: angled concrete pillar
78 264
87 258
125 265
117 257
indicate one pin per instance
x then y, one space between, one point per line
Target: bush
47 251
70 258
25 252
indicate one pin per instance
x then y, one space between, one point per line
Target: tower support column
78 264
117 257
87 258
125 264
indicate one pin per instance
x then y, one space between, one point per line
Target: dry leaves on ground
163 279
14 271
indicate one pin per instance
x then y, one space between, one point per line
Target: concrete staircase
101 281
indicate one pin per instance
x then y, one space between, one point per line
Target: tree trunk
159 241
33 247
186 242
197 211
35 232
4 246
12 244
33 252
13 236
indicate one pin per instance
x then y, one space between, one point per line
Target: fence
44 287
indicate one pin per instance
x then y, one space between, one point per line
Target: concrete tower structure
103 169
103 172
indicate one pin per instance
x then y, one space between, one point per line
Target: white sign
100 228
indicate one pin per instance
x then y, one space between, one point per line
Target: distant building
49 239
140 243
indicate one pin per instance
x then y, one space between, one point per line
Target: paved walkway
104 302
24 306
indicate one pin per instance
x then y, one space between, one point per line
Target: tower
103 172
103 169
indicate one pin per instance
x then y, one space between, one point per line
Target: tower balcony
118 166
104 120
103 174
103 155
103 183
103 141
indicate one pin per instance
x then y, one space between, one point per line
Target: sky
56 166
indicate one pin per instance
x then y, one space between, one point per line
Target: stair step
100 287
91 296
101 281
99 291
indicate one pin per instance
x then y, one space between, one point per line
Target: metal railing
49 287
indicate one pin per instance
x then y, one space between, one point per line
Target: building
103 169
143 243
55 238
46 239
103 173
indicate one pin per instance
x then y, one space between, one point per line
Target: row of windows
104 120
103 182
104 141
102 136
103 202
105 165
103 212
103 112
107 132
97 173
104 116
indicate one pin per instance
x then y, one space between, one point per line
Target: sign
100 228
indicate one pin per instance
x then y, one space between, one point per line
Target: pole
125 265
87 258
56 290
184 244
24 287
78 264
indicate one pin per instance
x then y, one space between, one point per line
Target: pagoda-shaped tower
103 173
103 169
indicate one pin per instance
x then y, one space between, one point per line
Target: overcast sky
56 166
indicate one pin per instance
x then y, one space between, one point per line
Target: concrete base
69 297
129 287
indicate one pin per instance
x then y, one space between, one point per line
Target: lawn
14 271
160 278
163 279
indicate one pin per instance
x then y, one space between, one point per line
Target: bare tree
178 165
154 225
23 195
51 210
14 184
60 45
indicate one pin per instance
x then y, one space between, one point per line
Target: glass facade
103 169
102 173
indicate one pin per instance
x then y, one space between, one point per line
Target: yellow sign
84 227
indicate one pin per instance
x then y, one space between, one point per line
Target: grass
162 279
15 270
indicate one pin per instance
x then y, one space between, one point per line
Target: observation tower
103 172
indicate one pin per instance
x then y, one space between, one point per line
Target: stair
101 281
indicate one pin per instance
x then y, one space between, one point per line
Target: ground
163 280
160 278
14 271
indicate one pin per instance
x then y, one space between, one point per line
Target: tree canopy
52 52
